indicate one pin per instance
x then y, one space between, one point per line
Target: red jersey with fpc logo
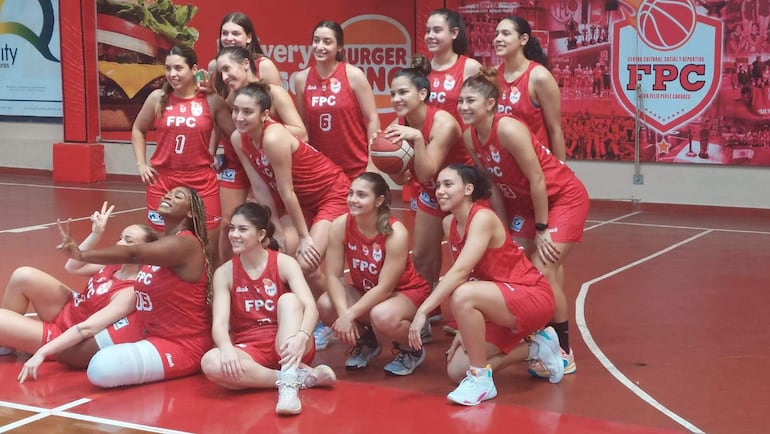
505 264
169 306
505 172
184 132
335 124
101 287
364 257
515 101
310 171
445 87
254 302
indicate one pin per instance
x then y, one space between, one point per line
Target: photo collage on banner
697 72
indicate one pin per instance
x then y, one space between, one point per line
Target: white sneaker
320 376
288 398
405 362
5 351
544 346
477 386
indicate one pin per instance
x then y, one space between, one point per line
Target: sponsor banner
30 68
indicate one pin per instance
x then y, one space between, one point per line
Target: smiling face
508 42
361 199
243 235
473 106
451 191
178 73
325 46
438 35
232 34
404 96
248 116
176 203
234 74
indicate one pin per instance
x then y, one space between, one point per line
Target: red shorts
334 202
125 330
181 356
231 173
416 295
424 199
204 182
533 308
567 216
259 344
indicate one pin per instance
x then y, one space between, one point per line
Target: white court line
606 222
59 187
580 319
48 225
42 413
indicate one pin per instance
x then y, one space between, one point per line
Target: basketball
666 24
390 157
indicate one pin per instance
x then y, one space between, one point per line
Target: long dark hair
260 91
198 223
380 188
455 20
417 73
259 216
532 49
482 188
338 35
190 58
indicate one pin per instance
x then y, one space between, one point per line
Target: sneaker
322 335
362 353
5 351
536 369
405 362
288 399
544 346
426 334
320 376
477 386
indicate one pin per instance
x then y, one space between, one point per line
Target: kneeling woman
496 295
263 309
385 289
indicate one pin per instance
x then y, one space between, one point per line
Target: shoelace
469 381
284 388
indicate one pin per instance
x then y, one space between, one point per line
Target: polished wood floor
668 308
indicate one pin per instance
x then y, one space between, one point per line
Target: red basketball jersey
505 264
101 287
445 87
515 101
364 258
335 124
170 307
254 302
505 172
184 132
310 170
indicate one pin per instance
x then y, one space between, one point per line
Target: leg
390 321
428 234
315 275
230 198
290 316
30 285
20 332
79 355
326 311
254 375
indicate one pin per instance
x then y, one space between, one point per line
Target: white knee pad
103 339
125 364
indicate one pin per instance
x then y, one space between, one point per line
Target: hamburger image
133 37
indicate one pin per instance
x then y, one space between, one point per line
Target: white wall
29 145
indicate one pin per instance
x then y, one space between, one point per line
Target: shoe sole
366 363
486 397
568 370
288 411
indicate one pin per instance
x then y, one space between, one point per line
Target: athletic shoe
426 334
288 399
362 353
322 335
405 362
544 346
477 386
5 351
320 376
536 369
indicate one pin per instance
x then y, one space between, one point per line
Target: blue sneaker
322 335
405 362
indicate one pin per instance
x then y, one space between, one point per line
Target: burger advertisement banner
133 37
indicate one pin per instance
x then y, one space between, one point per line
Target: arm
144 122
299 92
472 67
120 305
293 349
99 223
365 97
223 119
430 158
344 327
230 363
287 112
547 95
268 71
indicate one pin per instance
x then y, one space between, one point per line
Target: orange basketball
390 157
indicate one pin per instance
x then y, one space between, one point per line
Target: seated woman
263 309
496 295
72 325
385 289
171 296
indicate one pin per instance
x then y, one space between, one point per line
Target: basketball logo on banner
670 70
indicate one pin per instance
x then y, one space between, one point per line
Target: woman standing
337 103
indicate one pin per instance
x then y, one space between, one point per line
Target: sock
562 331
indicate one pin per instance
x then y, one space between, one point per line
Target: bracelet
305 332
541 226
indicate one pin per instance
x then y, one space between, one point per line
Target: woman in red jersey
529 91
285 170
449 66
235 66
496 295
435 136
171 297
262 311
183 120
71 325
385 289
337 103
541 200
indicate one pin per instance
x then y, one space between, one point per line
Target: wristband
541 226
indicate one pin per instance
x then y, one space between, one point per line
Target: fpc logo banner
670 55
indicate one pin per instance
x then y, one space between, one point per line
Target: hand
232 365
345 329
99 219
545 247
68 246
308 251
147 173
457 343
396 133
293 349
30 367
415 329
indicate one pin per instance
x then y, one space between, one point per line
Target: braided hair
198 210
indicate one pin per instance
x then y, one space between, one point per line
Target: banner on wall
133 38
697 74
30 68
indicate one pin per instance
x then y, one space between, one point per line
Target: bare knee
384 318
289 304
462 299
211 364
23 275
